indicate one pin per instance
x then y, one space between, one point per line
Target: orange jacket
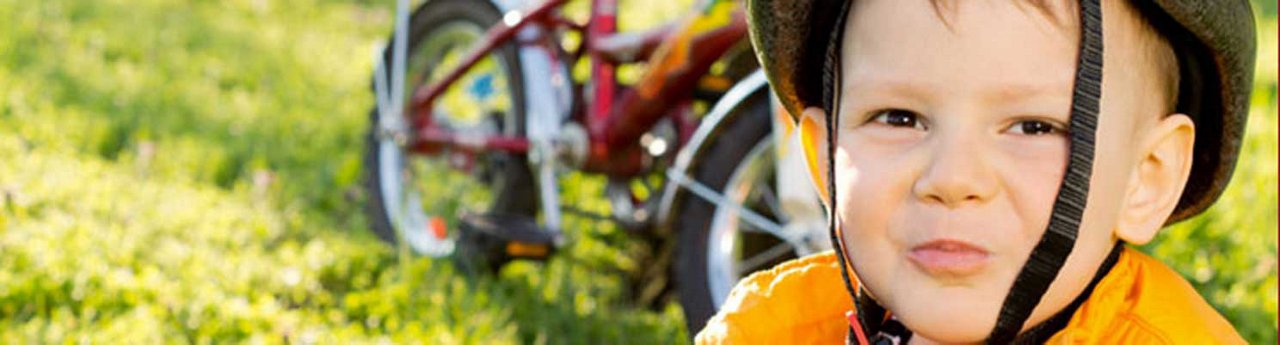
803 301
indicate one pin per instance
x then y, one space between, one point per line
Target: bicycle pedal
501 238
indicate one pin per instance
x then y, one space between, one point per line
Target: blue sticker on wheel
482 87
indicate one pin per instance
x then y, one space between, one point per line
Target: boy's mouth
948 257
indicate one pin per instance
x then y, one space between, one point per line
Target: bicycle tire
722 156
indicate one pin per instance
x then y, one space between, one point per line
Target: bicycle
495 113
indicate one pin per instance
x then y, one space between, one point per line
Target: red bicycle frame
614 124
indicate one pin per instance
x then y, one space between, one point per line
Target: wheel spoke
771 200
760 222
749 265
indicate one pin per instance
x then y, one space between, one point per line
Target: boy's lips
948 257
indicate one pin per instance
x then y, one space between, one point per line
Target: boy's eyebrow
1028 90
868 84
894 88
890 85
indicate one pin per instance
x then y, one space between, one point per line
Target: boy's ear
813 136
1156 183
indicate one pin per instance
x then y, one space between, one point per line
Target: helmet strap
1058 240
859 328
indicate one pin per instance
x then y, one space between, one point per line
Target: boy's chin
951 317
953 328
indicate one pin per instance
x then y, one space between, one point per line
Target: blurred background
188 171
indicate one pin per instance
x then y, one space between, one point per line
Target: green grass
189 172
175 171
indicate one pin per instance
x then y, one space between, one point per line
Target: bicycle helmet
798 42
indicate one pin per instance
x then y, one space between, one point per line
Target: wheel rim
735 247
423 195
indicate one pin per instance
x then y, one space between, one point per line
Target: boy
985 161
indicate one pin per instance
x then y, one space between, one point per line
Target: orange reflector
438 227
518 249
715 83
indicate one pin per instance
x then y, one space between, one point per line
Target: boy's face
952 144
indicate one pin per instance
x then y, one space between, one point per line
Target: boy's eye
898 118
1034 127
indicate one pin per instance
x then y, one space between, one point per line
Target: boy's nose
956 174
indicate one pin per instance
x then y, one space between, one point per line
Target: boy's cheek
860 185
871 192
877 145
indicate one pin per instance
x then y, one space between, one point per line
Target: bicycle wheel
417 198
719 243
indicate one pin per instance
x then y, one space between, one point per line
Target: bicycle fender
548 91
547 84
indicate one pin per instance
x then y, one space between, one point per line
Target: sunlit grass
174 172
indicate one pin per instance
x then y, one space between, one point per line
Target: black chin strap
830 99
1045 330
1058 240
1049 255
